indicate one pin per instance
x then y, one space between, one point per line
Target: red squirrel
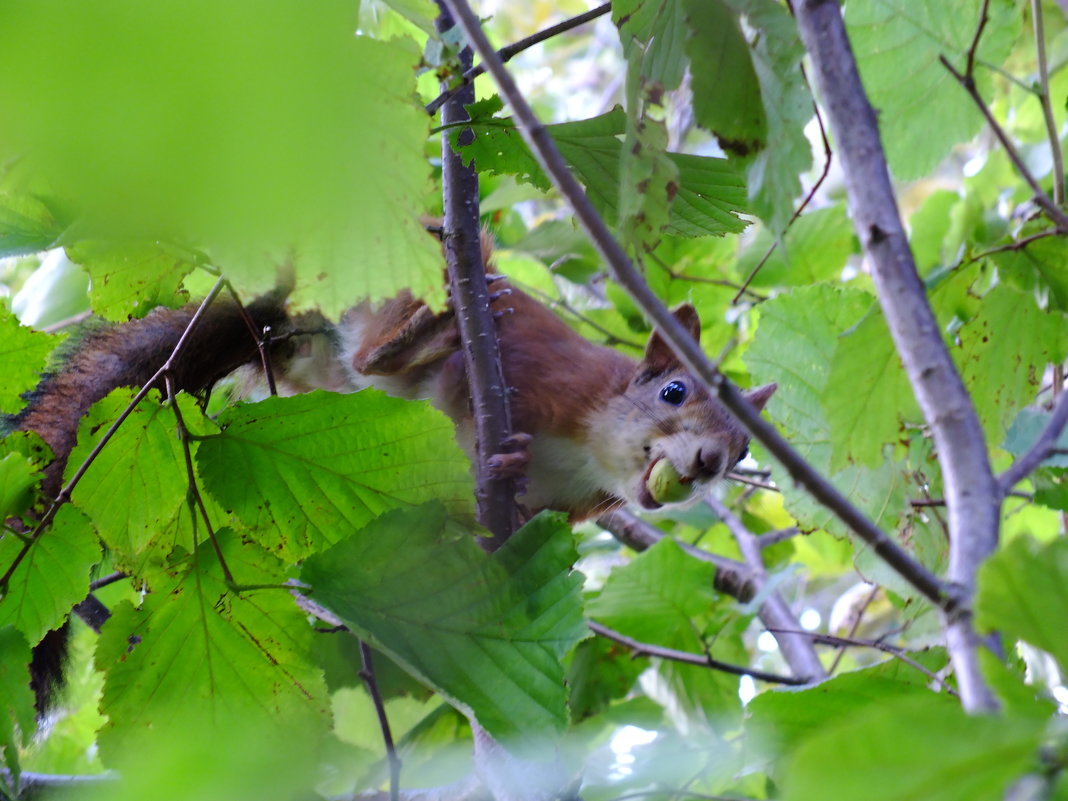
599 422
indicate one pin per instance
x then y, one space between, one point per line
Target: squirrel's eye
673 392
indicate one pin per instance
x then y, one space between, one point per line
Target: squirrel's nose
708 461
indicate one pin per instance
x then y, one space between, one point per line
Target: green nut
666 485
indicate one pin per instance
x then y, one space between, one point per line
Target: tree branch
701 660
775 613
470 297
1047 106
1042 448
688 351
732 578
509 52
971 491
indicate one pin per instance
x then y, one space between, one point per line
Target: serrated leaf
307 470
923 111
184 122
726 92
26 225
600 672
202 654
135 490
1023 592
16 700
867 395
795 346
774 175
653 33
886 755
130 279
23 353
1004 351
711 192
51 577
654 597
488 633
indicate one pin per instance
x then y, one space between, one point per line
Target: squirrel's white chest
561 473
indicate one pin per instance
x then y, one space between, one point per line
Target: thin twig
196 500
893 650
770 538
1019 244
1041 450
967 80
509 52
702 660
104 581
854 627
827 154
1047 105
752 482
367 673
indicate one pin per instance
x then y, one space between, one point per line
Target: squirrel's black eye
673 392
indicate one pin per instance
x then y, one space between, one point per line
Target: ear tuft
761 395
658 355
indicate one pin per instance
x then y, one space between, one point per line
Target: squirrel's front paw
512 462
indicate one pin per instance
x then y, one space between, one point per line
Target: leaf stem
1047 105
367 673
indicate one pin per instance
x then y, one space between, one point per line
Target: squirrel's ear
658 355
761 395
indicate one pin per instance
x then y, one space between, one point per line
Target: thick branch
971 491
470 297
688 351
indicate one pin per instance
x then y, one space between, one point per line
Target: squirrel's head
666 438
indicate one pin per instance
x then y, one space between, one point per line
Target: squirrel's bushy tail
129 354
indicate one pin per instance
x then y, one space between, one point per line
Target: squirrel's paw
512 462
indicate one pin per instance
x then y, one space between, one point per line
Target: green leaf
726 92
653 33
783 719
307 470
923 111
774 175
795 345
135 490
815 248
656 595
183 121
1004 352
130 279
600 672
1038 268
867 396
16 700
1023 592
26 225
200 653
23 353
886 755
488 633
711 192
51 577
18 477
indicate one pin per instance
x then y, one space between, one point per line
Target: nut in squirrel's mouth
667 492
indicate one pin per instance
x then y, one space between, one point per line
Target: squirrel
595 424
